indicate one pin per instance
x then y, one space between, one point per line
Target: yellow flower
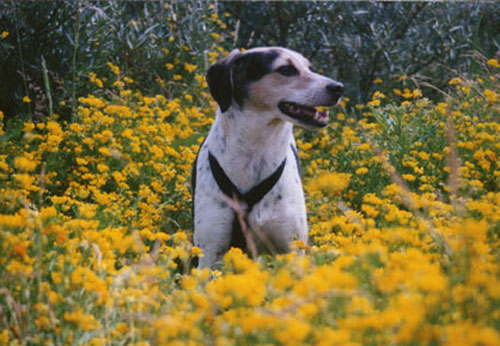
189 67
81 162
369 210
491 96
25 164
196 251
87 211
85 322
361 171
119 84
19 268
408 177
95 80
4 337
104 151
455 81
169 66
423 155
57 277
493 62
467 333
332 182
417 93
325 336
5 34
294 331
246 288
26 99
25 180
213 55
115 69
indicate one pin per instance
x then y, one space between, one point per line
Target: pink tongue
321 115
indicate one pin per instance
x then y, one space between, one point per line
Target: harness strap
250 198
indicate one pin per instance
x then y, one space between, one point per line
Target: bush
153 43
358 43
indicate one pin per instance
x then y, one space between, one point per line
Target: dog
249 156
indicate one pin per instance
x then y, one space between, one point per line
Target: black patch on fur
244 69
248 68
219 83
297 160
193 176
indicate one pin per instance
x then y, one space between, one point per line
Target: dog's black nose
335 89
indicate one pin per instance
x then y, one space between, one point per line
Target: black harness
250 198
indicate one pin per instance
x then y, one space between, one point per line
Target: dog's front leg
212 231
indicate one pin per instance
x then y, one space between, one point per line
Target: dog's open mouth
307 115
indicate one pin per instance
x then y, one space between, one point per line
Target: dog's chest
246 164
279 208
281 214
247 160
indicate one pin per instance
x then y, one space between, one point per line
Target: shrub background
353 42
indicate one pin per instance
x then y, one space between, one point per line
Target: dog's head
273 80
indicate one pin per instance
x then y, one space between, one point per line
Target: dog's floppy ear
219 80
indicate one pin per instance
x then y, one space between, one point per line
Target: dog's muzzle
308 115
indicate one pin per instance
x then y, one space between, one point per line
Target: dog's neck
249 145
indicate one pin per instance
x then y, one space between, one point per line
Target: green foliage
358 42
80 38
353 42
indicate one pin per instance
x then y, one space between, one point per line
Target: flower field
404 211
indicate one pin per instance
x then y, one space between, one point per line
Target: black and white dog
249 154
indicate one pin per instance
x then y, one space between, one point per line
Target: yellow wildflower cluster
404 214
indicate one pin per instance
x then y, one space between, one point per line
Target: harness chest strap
250 198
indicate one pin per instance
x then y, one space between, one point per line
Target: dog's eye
287 70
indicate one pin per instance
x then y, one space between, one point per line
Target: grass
404 215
